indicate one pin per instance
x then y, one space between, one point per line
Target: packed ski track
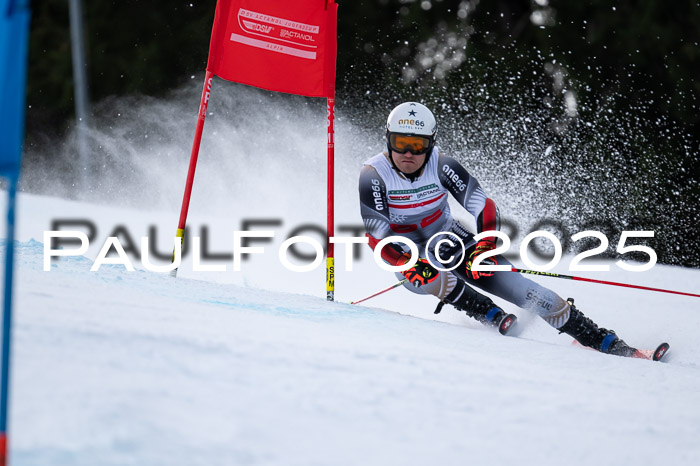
114 367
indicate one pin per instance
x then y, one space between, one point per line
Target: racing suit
417 209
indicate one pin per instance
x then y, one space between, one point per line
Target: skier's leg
480 307
589 334
450 289
560 314
526 294
513 288
522 292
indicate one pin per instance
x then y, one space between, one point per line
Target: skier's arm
391 253
420 274
488 219
467 191
374 208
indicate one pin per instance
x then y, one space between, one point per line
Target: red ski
652 355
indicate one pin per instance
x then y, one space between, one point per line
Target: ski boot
481 308
586 332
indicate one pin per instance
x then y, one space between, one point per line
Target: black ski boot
588 334
481 308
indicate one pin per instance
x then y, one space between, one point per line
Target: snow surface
257 368
119 368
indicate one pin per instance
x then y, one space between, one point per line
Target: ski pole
395 285
604 282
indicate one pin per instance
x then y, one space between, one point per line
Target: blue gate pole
7 316
14 36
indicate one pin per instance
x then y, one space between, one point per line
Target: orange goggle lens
413 144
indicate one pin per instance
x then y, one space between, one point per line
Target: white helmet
411 119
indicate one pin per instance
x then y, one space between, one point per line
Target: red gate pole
330 255
203 104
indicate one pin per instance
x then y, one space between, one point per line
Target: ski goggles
402 143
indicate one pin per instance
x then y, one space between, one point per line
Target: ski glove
481 247
421 273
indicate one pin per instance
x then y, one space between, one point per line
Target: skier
404 192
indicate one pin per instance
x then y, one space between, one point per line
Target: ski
655 355
506 324
651 355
